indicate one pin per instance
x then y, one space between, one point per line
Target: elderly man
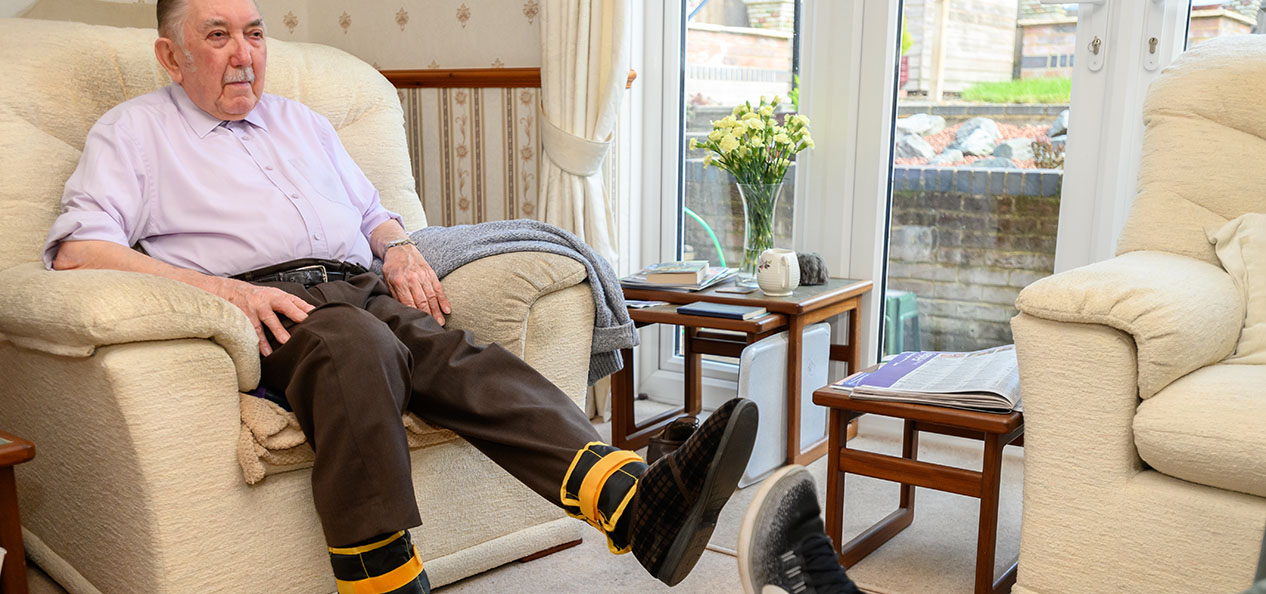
241 193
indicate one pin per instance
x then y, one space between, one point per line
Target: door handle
1096 48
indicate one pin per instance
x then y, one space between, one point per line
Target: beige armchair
129 385
1145 445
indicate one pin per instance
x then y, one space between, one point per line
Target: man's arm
407 273
260 304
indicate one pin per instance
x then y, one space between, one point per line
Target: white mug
777 272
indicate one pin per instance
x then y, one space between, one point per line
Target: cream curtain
584 66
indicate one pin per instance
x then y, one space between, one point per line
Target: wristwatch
398 242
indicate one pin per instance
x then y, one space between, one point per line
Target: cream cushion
1208 427
1202 150
1241 246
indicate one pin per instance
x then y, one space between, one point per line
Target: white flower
739 129
782 138
729 143
715 135
777 100
707 159
694 143
808 141
756 124
767 111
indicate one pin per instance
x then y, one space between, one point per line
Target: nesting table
996 430
705 335
13 451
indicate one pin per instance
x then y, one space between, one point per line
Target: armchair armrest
71 313
491 297
1183 314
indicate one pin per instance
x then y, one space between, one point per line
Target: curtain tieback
573 154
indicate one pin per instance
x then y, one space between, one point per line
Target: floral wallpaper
390 34
475 152
415 34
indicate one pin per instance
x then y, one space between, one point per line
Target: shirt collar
201 122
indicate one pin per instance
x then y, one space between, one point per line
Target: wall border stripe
472 78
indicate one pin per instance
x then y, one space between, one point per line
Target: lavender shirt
219 198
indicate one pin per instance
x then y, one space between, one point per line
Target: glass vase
759 202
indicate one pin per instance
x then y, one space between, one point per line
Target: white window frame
847 56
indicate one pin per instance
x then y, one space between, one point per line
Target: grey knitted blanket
449 248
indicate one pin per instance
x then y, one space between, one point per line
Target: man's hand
413 282
261 305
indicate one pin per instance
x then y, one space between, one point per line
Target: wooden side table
13 451
805 306
997 431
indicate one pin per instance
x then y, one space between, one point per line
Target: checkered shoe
783 547
680 496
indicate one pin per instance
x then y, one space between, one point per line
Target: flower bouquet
756 149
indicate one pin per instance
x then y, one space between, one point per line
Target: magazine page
991 370
986 380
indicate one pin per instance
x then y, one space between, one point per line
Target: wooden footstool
996 430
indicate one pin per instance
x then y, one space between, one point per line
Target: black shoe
679 497
783 545
667 441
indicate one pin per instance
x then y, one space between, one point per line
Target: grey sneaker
783 547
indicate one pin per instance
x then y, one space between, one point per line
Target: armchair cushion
1241 246
71 313
1207 428
1183 313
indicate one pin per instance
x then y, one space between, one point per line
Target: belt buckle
325 278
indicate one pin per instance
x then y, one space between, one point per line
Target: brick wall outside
965 241
1207 26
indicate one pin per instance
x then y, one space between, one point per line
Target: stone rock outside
923 124
1059 126
1016 148
913 146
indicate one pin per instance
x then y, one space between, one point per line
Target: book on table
987 380
713 275
721 310
688 272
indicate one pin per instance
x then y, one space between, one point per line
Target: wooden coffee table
996 430
805 306
13 451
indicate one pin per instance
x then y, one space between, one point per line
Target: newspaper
987 380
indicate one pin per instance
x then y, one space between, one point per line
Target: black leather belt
307 272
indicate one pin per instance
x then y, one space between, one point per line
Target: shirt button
268 168
246 137
317 237
294 196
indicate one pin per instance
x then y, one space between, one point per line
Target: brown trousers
362 358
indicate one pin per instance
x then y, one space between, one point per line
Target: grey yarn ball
812 269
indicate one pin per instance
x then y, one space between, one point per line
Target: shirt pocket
321 180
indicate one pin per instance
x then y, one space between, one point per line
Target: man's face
223 70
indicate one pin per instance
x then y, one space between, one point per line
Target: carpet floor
937 553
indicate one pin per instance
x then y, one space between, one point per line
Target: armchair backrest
60 77
1204 148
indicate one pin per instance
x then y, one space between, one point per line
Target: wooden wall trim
472 78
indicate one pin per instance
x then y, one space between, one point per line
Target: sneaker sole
773 489
734 451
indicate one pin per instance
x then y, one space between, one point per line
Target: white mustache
244 74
